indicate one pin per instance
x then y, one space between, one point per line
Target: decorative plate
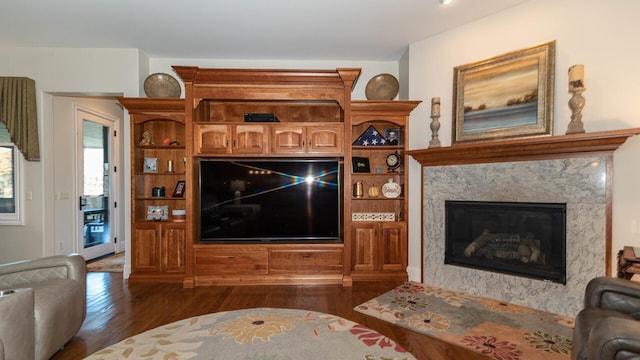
160 85
382 87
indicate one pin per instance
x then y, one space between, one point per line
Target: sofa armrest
614 294
614 338
23 273
17 327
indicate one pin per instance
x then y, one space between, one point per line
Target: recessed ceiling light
445 2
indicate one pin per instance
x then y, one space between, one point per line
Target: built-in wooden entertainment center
316 119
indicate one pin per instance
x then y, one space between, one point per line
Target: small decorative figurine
147 139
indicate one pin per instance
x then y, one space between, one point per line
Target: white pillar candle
576 76
435 106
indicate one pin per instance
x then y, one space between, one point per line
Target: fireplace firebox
516 238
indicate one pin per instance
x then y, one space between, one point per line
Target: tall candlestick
576 76
577 101
435 106
435 123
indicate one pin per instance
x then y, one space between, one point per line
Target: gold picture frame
504 97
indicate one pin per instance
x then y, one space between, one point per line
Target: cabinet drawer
306 261
212 262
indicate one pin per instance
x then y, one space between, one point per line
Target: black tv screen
270 200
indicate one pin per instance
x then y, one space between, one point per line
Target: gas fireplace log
506 247
479 242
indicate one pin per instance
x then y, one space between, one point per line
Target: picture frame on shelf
392 135
150 165
360 165
157 213
179 190
506 96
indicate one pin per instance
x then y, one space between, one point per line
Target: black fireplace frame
555 272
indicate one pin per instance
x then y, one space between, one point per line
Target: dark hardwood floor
117 309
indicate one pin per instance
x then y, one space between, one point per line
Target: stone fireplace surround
575 169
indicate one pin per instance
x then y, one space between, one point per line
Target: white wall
595 33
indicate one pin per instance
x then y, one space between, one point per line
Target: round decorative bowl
382 87
179 215
161 85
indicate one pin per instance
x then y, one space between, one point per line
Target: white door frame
81 113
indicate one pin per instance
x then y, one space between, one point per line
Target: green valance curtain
18 114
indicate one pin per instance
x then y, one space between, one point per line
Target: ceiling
371 30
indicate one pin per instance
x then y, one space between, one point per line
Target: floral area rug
114 263
261 333
490 327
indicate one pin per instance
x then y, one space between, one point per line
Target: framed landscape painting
507 96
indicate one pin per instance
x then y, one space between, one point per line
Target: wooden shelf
550 147
157 247
161 147
158 198
379 198
160 173
379 147
377 250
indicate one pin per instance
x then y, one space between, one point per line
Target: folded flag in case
370 137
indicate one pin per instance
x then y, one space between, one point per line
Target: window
10 199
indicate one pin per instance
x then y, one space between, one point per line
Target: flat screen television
270 200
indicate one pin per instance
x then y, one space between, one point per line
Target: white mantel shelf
539 148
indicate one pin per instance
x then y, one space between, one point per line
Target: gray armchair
608 327
43 305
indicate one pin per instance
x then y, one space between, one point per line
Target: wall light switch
29 195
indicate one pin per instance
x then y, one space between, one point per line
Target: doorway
94 183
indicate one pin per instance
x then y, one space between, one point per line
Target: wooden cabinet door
325 139
392 242
363 253
212 139
173 246
288 139
250 139
145 246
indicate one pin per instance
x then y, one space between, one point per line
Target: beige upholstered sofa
42 307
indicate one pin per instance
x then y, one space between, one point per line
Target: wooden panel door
250 139
363 253
173 247
288 139
212 139
145 246
325 139
392 246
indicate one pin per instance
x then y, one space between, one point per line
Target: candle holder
435 127
435 123
576 104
